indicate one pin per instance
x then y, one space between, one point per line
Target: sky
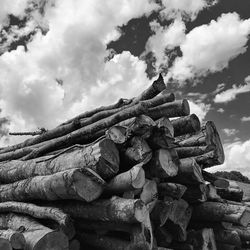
60 58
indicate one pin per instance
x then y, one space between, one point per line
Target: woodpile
124 177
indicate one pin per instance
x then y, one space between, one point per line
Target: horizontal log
37 236
172 109
5 244
163 237
227 237
117 134
185 152
216 181
211 193
41 212
149 191
174 190
15 238
79 184
186 125
215 211
195 194
102 157
232 194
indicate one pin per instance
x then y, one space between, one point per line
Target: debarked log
102 157
37 236
79 184
41 212
216 211
15 238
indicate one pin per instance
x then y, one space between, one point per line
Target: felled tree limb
39 132
185 152
41 212
15 238
171 189
216 181
186 125
37 236
102 157
76 184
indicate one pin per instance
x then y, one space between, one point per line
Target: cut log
185 152
216 181
181 246
117 134
162 135
37 236
102 157
138 152
74 245
195 194
163 237
15 238
186 125
233 194
5 244
79 184
215 211
211 193
203 239
115 209
41 212
164 163
174 190
243 232
130 180
172 109
222 246
149 191
227 237
189 172
179 208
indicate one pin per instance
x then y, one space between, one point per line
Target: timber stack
127 176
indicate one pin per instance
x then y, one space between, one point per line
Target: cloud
221 110
200 109
209 48
74 51
230 131
186 9
237 157
245 119
231 94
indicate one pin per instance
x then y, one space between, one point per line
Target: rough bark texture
216 181
41 212
185 152
172 109
5 244
37 236
15 238
115 209
76 184
227 237
215 211
186 125
233 194
102 157
195 194
164 163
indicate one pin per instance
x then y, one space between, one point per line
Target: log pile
122 177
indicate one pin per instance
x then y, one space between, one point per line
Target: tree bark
216 181
74 245
115 209
164 163
172 109
15 238
181 246
215 211
195 194
41 212
102 157
186 152
5 244
173 190
243 232
233 194
163 237
76 184
129 180
186 125
227 237
211 193
37 236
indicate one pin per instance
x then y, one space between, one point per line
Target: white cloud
231 94
187 9
209 48
73 51
200 109
230 131
221 110
237 157
245 119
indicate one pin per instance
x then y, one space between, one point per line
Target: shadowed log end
141 211
138 180
5 244
159 84
195 122
245 218
185 107
17 240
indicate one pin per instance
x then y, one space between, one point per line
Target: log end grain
17 241
5 244
185 107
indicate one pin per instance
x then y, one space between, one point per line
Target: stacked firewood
122 177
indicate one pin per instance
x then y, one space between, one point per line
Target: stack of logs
122 177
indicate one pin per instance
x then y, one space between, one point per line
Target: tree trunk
163 237
233 194
216 181
172 109
74 245
149 191
15 238
185 152
102 157
164 163
130 180
195 194
41 212
171 189
211 193
203 239
186 125
215 211
115 209
117 134
243 232
76 184
37 236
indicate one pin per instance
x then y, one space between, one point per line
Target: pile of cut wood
122 177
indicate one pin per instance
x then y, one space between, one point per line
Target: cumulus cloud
245 119
73 51
200 109
221 110
231 94
230 131
186 9
209 48
237 157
